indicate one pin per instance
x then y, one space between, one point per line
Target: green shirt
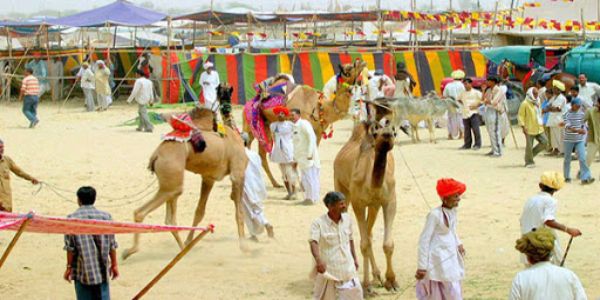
592 117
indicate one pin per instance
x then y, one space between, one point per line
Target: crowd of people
572 123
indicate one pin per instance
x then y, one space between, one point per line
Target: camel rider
381 85
209 80
270 85
7 165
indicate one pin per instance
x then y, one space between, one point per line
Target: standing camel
223 156
364 172
308 100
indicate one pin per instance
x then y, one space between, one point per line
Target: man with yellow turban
540 212
543 280
440 260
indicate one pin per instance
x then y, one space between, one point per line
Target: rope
136 197
412 174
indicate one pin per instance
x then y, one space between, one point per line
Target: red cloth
448 187
182 131
281 109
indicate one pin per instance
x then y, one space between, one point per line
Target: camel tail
153 159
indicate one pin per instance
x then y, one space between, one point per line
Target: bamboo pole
479 24
284 35
171 264
249 30
14 241
380 25
194 36
49 63
493 24
168 94
583 32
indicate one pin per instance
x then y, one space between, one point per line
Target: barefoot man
7 165
283 148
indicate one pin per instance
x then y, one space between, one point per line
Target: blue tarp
121 12
520 55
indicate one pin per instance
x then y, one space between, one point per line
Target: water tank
584 59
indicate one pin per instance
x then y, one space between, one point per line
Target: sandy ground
73 148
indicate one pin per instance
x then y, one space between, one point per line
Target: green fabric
249 75
316 71
517 54
445 62
221 67
155 119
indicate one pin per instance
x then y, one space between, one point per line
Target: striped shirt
334 245
91 261
574 120
31 86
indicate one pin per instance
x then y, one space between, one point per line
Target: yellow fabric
528 118
559 85
553 180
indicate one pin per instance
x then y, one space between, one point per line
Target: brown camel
223 156
307 100
364 172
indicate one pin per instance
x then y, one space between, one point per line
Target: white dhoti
556 139
254 215
455 124
253 195
438 290
311 184
325 289
288 172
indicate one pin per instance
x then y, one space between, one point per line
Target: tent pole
49 63
169 58
194 36
284 35
13 242
583 33
248 33
171 264
493 24
379 25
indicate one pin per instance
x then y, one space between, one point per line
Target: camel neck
379 164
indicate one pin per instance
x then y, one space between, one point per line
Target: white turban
100 62
458 74
207 65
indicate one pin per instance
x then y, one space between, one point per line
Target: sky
32 6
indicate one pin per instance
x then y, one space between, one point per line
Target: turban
281 110
207 65
458 74
537 244
576 101
559 85
85 64
530 95
447 187
99 62
554 180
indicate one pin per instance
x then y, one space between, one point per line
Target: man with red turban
440 260
283 148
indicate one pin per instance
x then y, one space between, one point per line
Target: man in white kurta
440 259
543 280
332 247
88 84
103 91
306 155
453 90
209 80
588 91
283 148
540 212
255 192
556 110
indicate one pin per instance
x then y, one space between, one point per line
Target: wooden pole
583 32
493 24
49 63
562 262
284 35
249 27
380 25
522 16
13 242
171 264
314 31
194 36
479 24
210 25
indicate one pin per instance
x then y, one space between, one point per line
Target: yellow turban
553 180
537 244
559 85
458 74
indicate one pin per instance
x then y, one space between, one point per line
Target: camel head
381 138
349 73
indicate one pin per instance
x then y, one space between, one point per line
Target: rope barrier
412 174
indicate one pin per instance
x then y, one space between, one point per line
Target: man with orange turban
440 260
283 148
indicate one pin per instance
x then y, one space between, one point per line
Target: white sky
32 6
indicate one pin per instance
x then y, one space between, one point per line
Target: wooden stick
562 262
175 260
14 241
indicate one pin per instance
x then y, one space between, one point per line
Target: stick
175 260
16 238
562 262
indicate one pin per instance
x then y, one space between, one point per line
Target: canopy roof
120 12
516 54
220 18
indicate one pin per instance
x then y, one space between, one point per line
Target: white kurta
209 83
545 281
438 247
255 191
537 210
283 142
305 145
330 87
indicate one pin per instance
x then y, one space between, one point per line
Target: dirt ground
72 148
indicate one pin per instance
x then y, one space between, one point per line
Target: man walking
574 138
440 259
530 120
90 258
7 165
87 85
30 90
453 90
283 149
103 90
592 117
143 94
40 71
306 155
494 100
540 211
471 100
332 247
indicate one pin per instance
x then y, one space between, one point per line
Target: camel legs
207 186
171 219
389 213
371 218
365 244
163 195
237 188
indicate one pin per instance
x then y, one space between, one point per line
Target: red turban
448 187
281 110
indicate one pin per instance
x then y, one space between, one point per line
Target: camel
307 100
223 156
364 172
527 75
